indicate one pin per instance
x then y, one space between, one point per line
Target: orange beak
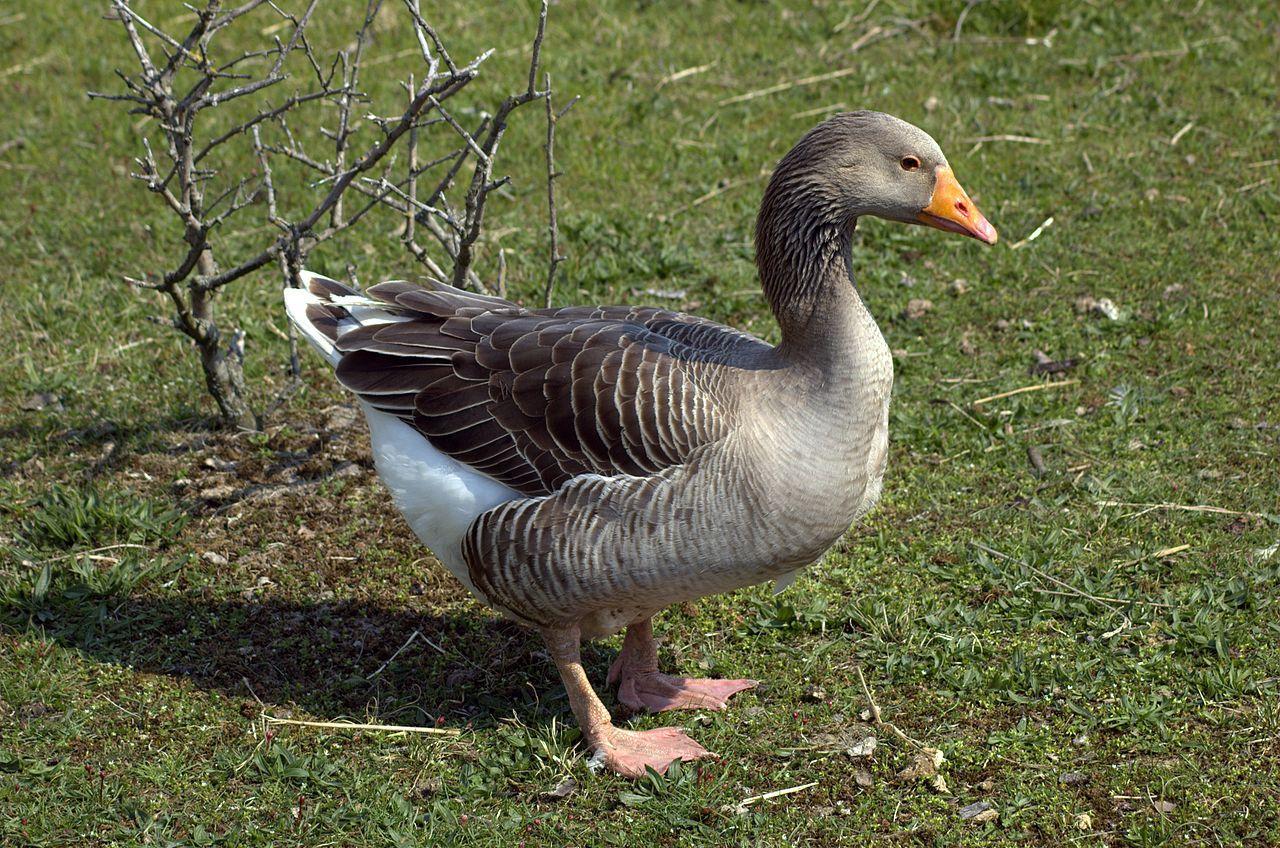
951 209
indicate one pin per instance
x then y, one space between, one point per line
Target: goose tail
323 309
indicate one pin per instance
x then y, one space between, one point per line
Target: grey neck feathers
803 256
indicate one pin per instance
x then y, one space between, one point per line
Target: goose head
870 163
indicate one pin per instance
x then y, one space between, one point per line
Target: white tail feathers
307 304
296 302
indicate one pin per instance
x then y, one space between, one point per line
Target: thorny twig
179 81
874 710
553 225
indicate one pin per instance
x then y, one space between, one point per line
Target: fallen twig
874 709
714 193
1151 507
1035 234
351 725
23 67
777 793
90 552
876 33
1019 139
1080 593
1165 54
1177 137
679 75
1036 388
414 635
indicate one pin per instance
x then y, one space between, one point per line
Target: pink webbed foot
656 692
629 752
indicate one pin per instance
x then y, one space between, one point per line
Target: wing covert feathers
531 398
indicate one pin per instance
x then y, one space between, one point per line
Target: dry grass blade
351 725
777 793
876 33
683 74
1017 139
1151 507
1039 387
1067 587
874 709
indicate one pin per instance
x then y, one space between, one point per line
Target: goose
581 469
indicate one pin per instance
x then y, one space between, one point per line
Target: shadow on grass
328 658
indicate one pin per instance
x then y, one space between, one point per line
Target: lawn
1070 591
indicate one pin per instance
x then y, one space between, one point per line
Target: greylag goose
580 469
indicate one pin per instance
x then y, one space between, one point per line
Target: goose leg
642 687
626 752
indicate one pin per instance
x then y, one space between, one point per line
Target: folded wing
533 398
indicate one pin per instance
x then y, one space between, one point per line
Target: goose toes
656 692
630 752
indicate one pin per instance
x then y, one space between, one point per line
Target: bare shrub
221 135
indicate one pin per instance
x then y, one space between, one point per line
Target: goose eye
910 163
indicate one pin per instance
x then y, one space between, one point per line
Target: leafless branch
180 78
553 225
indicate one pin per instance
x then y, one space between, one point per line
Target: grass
1099 674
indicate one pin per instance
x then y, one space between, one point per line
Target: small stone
1164 807
215 559
218 493
1108 309
1073 778
923 765
985 816
917 308
966 343
1046 364
340 418
971 810
1084 821
931 104
862 750
1081 741
42 400
815 694
562 790
987 785
346 470
960 286
668 294
1105 306
862 778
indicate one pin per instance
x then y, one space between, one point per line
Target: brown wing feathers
530 397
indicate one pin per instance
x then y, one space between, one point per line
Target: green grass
1011 620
